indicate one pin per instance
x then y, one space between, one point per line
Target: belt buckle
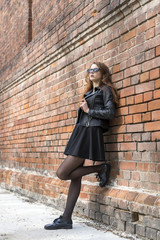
87 124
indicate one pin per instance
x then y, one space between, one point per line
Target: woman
86 142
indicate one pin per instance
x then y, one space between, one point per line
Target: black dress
86 142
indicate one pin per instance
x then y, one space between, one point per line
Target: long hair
105 80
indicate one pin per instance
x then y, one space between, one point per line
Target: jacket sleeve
109 107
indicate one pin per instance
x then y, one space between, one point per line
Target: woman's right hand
84 105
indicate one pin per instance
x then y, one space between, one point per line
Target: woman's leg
72 168
73 194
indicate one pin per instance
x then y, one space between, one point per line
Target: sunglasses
92 69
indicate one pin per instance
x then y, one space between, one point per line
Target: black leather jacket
101 108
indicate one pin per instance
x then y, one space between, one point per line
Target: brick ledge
45 185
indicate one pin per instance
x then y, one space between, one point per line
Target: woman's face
95 76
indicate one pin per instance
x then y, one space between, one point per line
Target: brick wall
13 28
47 14
40 95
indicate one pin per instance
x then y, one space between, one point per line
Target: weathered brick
126 216
130 227
107 210
147 146
106 219
135 128
152 222
141 230
151 233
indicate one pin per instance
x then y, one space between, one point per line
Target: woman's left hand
84 105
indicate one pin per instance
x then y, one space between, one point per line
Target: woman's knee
61 174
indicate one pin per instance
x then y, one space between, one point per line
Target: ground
23 219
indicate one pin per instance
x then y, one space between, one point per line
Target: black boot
104 174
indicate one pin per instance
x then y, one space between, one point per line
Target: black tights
72 168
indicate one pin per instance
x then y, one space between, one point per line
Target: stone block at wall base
136 213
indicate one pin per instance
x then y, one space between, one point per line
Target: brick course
41 85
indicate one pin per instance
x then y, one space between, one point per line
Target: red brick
131 196
127 137
138 98
156 94
128 35
126 82
123 111
155 177
144 77
127 92
136 176
122 102
128 119
157 83
119 129
152 126
122 194
117 76
146 166
128 156
147 25
158 168
130 100
138 108
154 73
153 63
150 33
156 115
137 118
112 44
114 192
155 136
157 203
158 51
141 198
123 183
128 165
116 68
150 200
146 117
154 105
148 96
128 146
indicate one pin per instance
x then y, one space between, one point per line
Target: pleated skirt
87 143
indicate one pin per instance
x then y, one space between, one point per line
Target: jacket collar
91 92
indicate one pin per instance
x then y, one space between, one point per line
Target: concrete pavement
22 219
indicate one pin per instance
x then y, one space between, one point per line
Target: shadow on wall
112 153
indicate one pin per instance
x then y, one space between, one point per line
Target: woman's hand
84 106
